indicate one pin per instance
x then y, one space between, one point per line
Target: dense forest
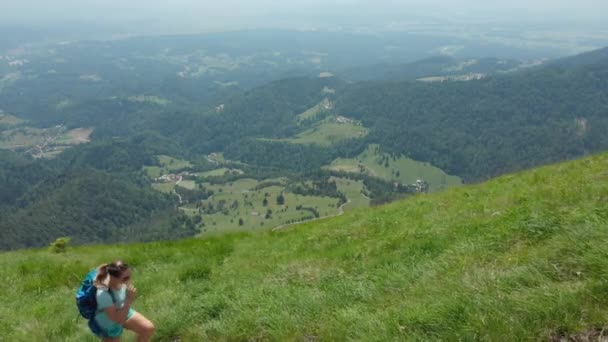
44 200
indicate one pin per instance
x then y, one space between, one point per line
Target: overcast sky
172 16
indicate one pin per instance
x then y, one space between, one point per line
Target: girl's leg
141 326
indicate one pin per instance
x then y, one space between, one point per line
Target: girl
115 294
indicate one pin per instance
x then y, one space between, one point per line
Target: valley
224 199
429 172
214 135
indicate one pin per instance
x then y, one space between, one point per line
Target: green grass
217 157
353 191
249 205
164 187
153 171
188 184
327 133
217 172
251 210
409 170
168 165
313 112
522 258
173 164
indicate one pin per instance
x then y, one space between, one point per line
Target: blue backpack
85 297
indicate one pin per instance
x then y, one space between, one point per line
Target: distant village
173 177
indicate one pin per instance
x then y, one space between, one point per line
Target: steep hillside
92 193
521 257
480 129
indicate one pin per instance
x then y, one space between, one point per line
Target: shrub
60 245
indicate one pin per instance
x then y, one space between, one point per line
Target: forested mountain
266 111
316 135
483 128
476 129
96 200
18 174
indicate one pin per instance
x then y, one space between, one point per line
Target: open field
402 169
353 191
217 172
238 201
188 184
164 187
23 137
173 164
313 112
167 165
328 132
42 143
237 205
75 136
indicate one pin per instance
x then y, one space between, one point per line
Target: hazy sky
200 15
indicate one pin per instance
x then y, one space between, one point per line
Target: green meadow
241 206
327 132
217 172
401 169
167 165
315 111
353 190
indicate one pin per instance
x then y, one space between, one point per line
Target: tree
241 222
268 214
265 202
280 199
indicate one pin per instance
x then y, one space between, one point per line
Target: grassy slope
329 132
168 165
353 191
521 257
326 133
312 112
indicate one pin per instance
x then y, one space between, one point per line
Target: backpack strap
113 301
112 295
